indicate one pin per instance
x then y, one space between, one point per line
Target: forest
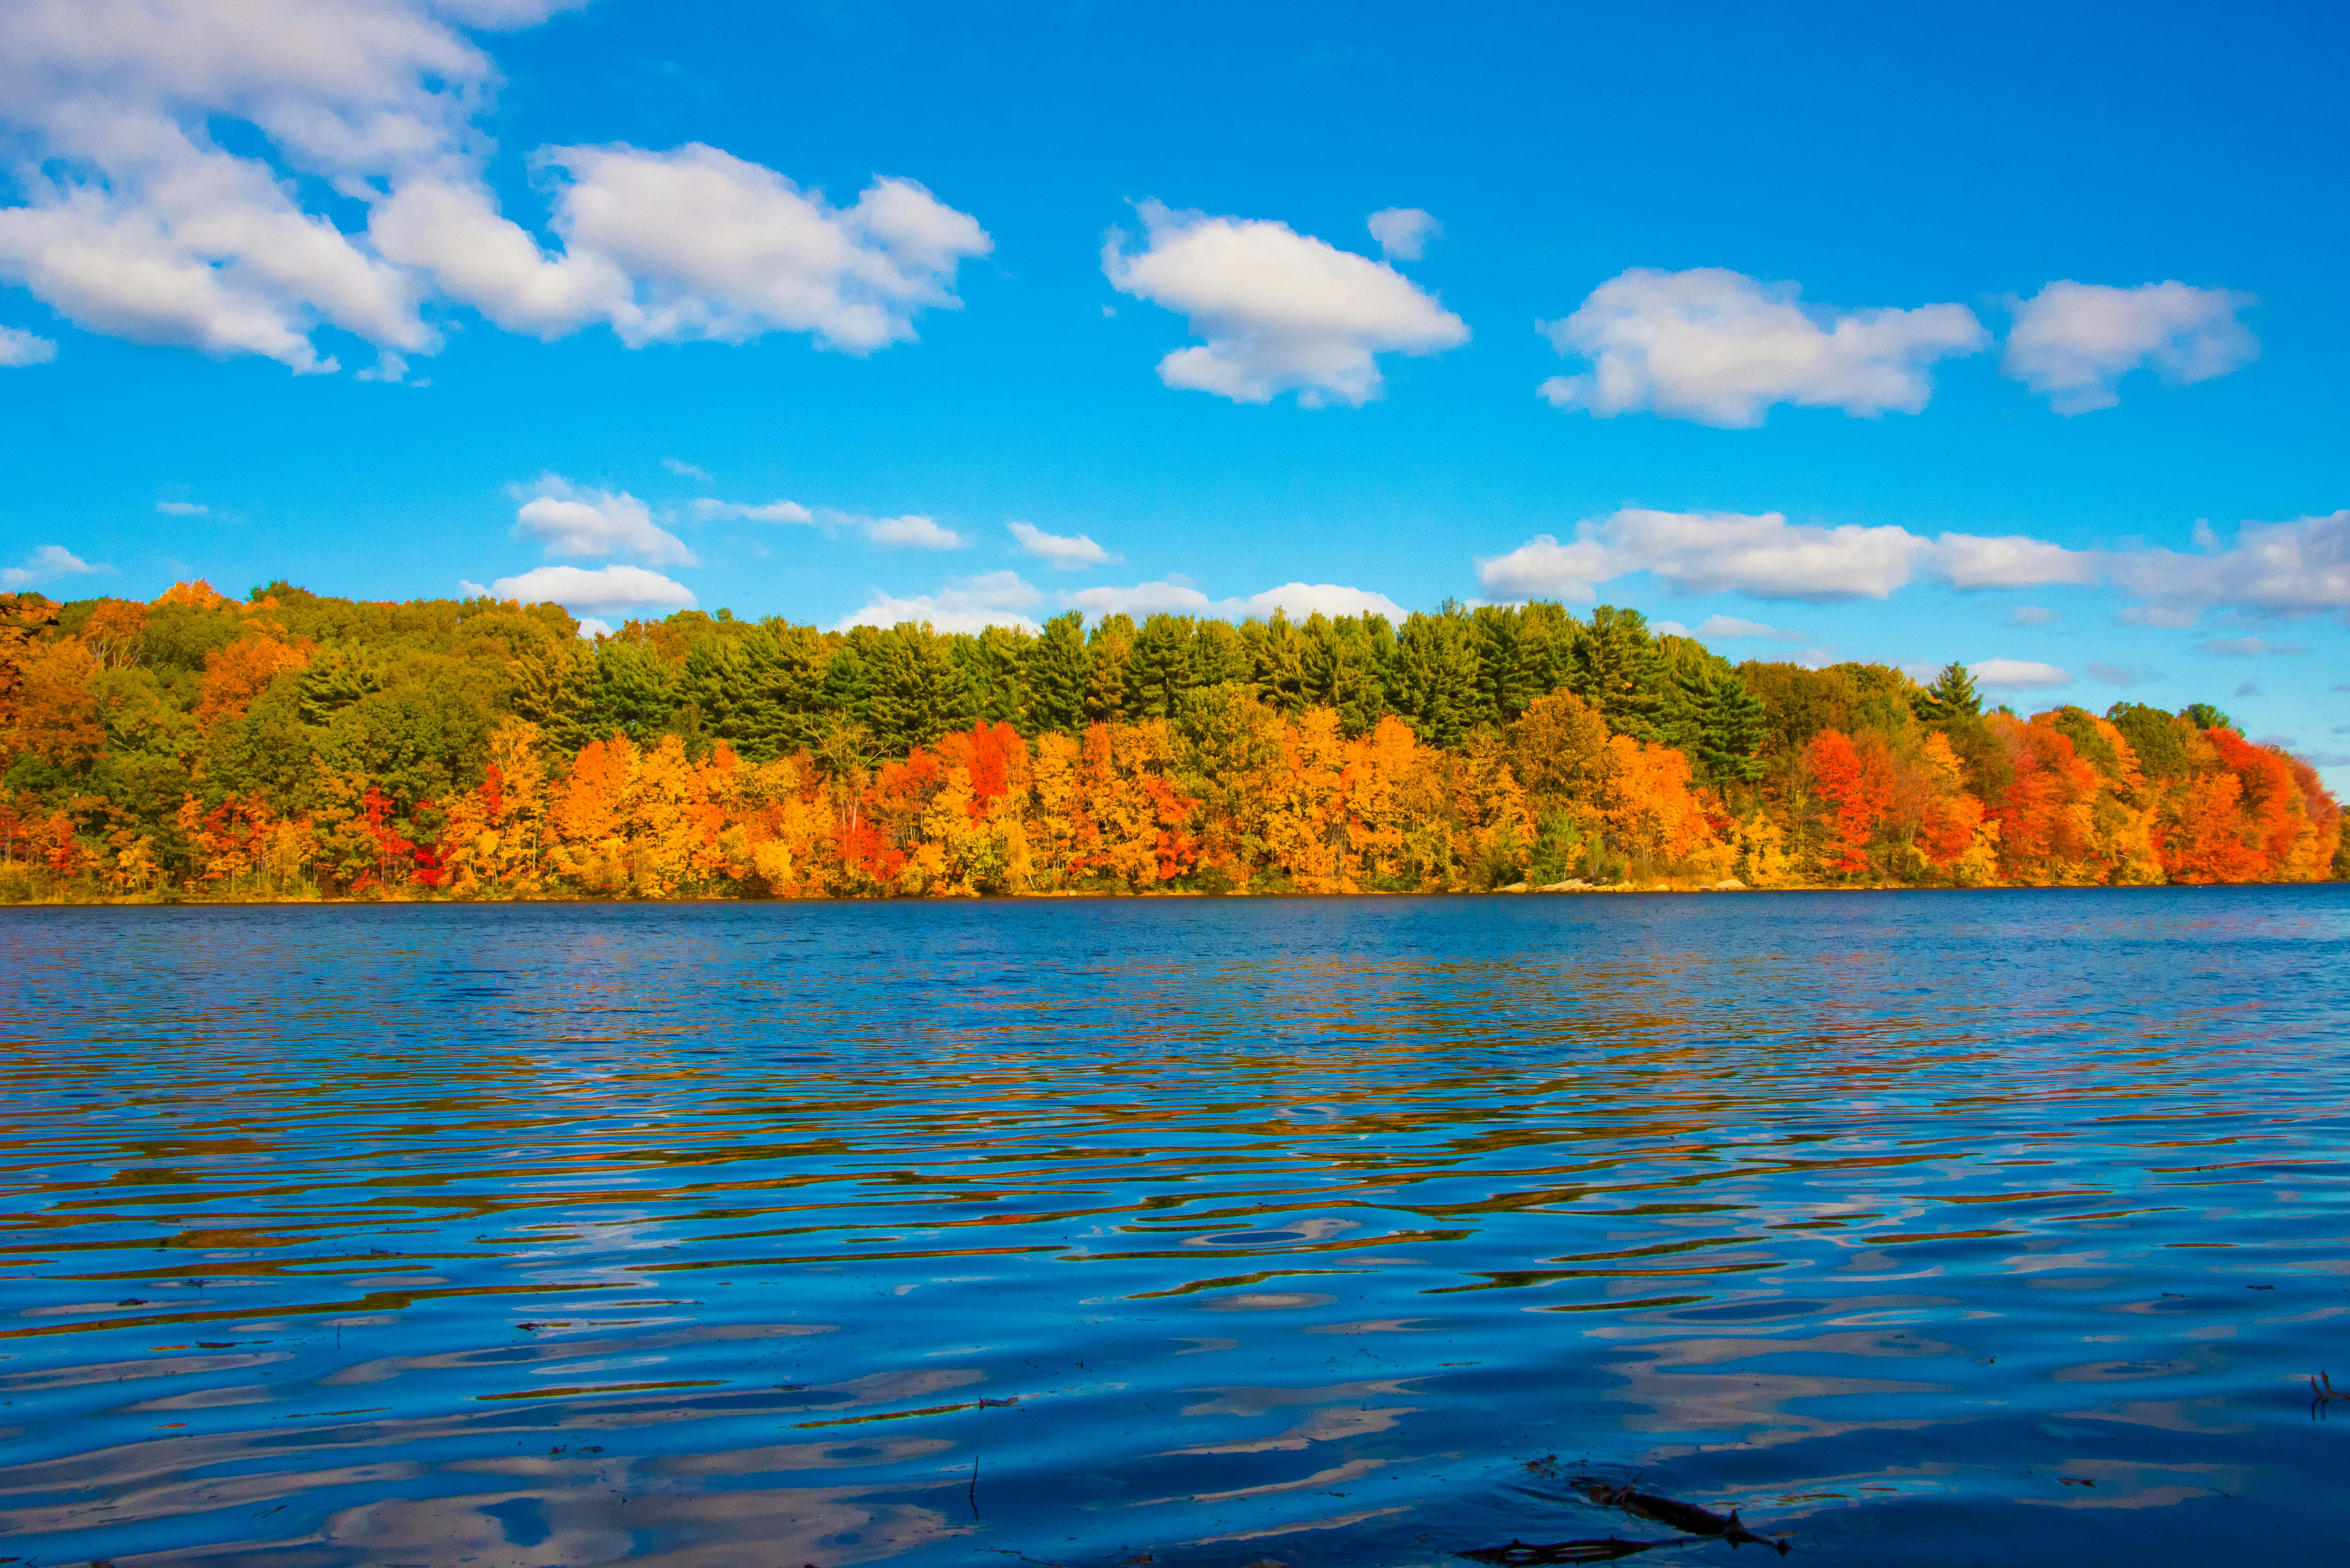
292 746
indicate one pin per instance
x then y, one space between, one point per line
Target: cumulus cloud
1731 628
2297 568
2017 675
19 348
1067 552
46 564
2073 342
709 508
2247 647
566 520
2170 618
910 532
700 245
2011 561
1176 597
1403 233
2030 615
1719 347
2116 674
913 531
1768 557
1710 553
967 604
1281 311
604 590
685 470
182 508
138 220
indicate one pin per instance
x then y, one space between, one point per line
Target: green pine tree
1951 696
1057 673
1617 668
1159 669
1431 680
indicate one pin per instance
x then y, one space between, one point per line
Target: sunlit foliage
295 746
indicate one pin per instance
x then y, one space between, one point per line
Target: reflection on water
1926 1228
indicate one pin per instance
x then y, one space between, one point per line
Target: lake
1921 1228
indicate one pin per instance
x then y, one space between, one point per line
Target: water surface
1923 1229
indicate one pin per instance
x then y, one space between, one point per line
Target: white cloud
1172 596
717 248
590 628
1710 552
47 563
1280 310
1067 552
569 520
1717 347
2030 615
1768 557
2074 341
1302 599
604 590
2247 647
2116 674
913 531
968 603
1403 233
1729 629
139 222
19 348
2172 618
2295 568
769 512
182 508
685 470
2017 675
2012 561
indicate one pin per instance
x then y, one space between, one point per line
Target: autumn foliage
291 747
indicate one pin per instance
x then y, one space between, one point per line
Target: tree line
291 745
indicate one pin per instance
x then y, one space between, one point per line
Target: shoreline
1617 889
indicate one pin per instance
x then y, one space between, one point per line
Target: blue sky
797 309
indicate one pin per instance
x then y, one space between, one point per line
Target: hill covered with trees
291 745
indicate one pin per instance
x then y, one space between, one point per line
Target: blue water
1923 1229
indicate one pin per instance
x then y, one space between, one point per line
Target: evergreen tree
847 697
918 692
1506 679
1952 695
1219 653
1618 670
339 675
1159 671
1112 645
554 688
1718 722
1058 669
711 683
780 696
634 692
992 663
1277 661
2204 716
1432 678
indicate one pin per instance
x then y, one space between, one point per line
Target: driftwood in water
1685 1517
1526 1554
